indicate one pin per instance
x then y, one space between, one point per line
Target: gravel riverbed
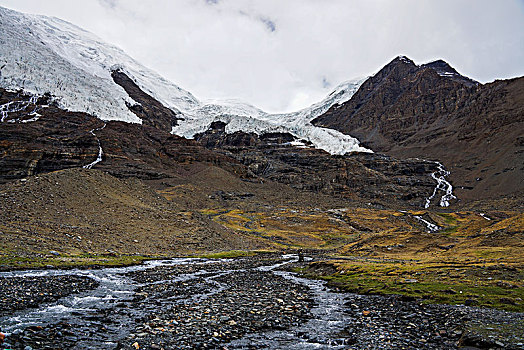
20 293
246 303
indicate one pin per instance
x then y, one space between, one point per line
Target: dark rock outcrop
59 139
56 140
148 109
358 176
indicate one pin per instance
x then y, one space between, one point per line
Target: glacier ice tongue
36 56
242 117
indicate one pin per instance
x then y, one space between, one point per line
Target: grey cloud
271 26
283 55
109 3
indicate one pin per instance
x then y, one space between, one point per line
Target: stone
410 280
470 302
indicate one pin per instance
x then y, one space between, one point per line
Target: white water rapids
442 185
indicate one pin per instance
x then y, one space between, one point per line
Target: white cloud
278 55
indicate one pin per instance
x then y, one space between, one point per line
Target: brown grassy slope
79 210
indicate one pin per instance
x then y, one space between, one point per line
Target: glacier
41 54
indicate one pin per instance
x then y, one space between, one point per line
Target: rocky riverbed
247 303
19 293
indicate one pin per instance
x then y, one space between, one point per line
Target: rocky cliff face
36 137
358 176
148 109
431 111
53 139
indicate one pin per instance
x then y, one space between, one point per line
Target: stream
91 311
248 303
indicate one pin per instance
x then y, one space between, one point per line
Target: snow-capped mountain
47 55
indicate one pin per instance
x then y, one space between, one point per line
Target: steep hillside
88 211
356 177
432 112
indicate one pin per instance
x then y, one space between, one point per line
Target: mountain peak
403 59
440 63
444 69
399 66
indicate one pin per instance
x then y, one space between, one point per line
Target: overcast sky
282 55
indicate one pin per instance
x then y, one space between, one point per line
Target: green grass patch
449 218
452 224
371 279
449 230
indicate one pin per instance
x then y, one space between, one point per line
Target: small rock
507 301
470 302
410 280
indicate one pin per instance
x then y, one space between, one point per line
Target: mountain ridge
404 110
474 129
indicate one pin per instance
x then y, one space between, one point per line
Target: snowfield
42 54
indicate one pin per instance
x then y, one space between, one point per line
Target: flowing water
92 315
320 332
